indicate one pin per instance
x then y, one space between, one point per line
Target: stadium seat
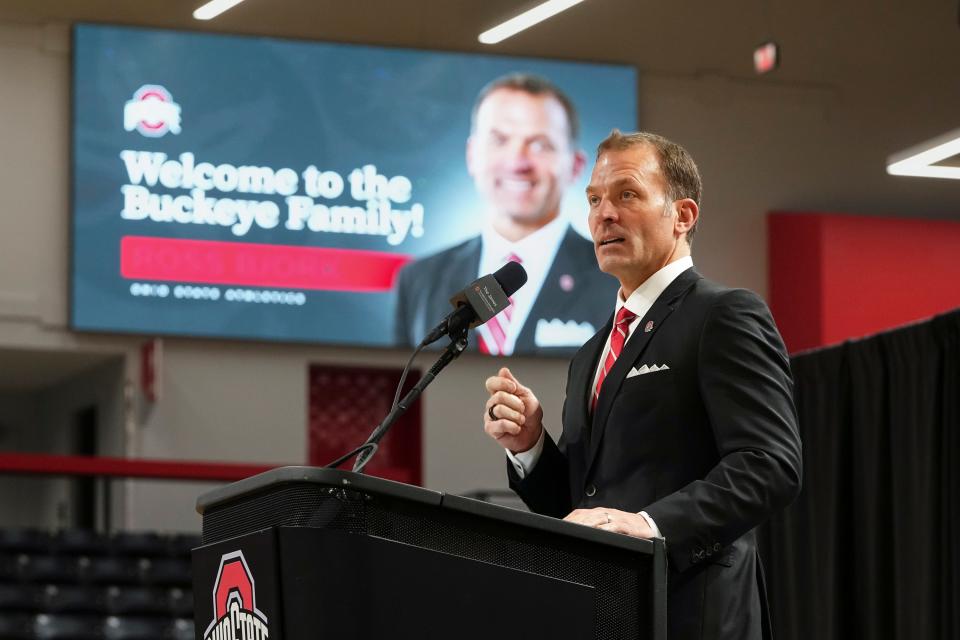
180 602
164 571
16 626
46 568
132 600
125 628
18 597
181 629
107 570
8 568
78 542
24 541
138 543
72 599
67 627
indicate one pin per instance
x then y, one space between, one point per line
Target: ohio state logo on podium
152 112
235 613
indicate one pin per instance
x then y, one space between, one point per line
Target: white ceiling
913 44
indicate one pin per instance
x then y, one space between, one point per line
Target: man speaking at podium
679 419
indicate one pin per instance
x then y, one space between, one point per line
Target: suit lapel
632 350
581 376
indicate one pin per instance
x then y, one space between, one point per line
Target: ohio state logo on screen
235 613
152 112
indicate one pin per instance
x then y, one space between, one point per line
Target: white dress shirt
536 253
639 303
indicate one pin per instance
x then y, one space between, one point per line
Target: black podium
304 553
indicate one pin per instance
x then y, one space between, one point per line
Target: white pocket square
645 369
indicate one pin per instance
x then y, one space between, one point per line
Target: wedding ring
490 413
608 518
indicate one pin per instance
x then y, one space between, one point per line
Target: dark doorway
83 492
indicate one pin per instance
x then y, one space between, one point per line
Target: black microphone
479 301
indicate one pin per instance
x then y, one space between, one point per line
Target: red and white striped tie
499 324
621 329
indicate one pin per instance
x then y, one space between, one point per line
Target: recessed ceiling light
214 8
921 160
525 20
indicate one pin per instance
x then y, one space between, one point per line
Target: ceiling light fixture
214 8
921 159
525 20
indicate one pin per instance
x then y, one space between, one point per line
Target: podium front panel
338 585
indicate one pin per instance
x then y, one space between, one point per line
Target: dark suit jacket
709 448
426 285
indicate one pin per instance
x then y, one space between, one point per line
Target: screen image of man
679 419
522 155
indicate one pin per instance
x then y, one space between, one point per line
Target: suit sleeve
747 391
546 489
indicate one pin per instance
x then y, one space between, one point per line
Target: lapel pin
566 282
649 327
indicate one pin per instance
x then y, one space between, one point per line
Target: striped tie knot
625 316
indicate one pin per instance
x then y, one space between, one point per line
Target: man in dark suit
679 419
522 154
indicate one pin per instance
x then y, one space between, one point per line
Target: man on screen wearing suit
522 154
679 419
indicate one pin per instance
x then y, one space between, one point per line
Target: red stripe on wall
258 265
112 467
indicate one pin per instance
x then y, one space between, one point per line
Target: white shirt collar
647 293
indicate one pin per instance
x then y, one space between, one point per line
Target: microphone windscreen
511 277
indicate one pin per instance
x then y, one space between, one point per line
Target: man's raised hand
512 416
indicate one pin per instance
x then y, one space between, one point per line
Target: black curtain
871 549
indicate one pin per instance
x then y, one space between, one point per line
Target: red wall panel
346 403
795 278
836 276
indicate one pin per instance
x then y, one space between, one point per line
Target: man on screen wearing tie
522 155
679 419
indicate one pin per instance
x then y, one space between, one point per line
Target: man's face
633 221
520 156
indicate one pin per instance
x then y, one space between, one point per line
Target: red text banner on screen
258 265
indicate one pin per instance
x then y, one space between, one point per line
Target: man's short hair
679 169
536 86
